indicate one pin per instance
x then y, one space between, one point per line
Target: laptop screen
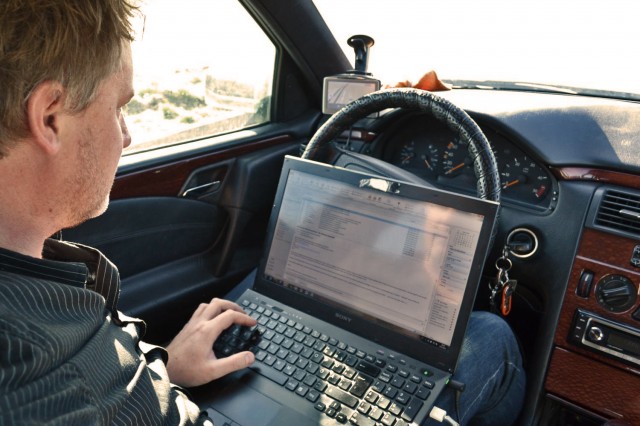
369 250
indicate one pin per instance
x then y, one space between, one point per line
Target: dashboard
555 154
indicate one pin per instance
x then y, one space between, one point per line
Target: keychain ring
503 264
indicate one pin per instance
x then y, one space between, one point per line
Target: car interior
187 221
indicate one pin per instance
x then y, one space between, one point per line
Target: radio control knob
595 334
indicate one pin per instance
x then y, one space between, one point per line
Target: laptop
362 299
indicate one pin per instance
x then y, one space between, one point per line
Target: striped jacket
68 357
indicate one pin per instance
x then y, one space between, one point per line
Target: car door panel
142 233
168 174
176 251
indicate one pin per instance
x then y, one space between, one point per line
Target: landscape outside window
200 68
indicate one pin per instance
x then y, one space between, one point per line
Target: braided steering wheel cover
484 161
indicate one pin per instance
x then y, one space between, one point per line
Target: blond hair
77 43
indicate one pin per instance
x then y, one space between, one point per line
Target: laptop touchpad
245 406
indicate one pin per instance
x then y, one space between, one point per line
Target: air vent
619 211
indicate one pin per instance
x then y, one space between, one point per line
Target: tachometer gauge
523 178
414 158
407 154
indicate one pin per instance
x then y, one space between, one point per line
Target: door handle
200 190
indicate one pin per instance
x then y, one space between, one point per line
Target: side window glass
201 68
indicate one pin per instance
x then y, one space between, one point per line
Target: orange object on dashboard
429 81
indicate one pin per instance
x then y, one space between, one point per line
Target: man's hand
191 358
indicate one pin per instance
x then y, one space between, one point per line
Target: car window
579 44
201 68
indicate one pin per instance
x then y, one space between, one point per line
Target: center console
595 363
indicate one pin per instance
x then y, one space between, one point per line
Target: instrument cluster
432 151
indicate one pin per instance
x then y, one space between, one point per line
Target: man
67 356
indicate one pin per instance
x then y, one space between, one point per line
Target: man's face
94 145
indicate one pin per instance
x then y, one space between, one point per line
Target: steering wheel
484 161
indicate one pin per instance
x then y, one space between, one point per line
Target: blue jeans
490 366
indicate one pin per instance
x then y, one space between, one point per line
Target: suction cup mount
361 45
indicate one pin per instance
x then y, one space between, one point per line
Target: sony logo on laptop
342 317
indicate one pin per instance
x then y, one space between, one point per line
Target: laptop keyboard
345 383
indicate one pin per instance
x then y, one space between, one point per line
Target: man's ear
44 107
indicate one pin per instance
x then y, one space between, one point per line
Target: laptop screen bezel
442 358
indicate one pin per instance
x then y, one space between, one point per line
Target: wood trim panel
583 376
602 254
612 250
167 179
597 175
598 388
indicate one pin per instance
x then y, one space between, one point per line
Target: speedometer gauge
455 158
431 158
522 177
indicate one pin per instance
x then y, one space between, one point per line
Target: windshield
578 43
